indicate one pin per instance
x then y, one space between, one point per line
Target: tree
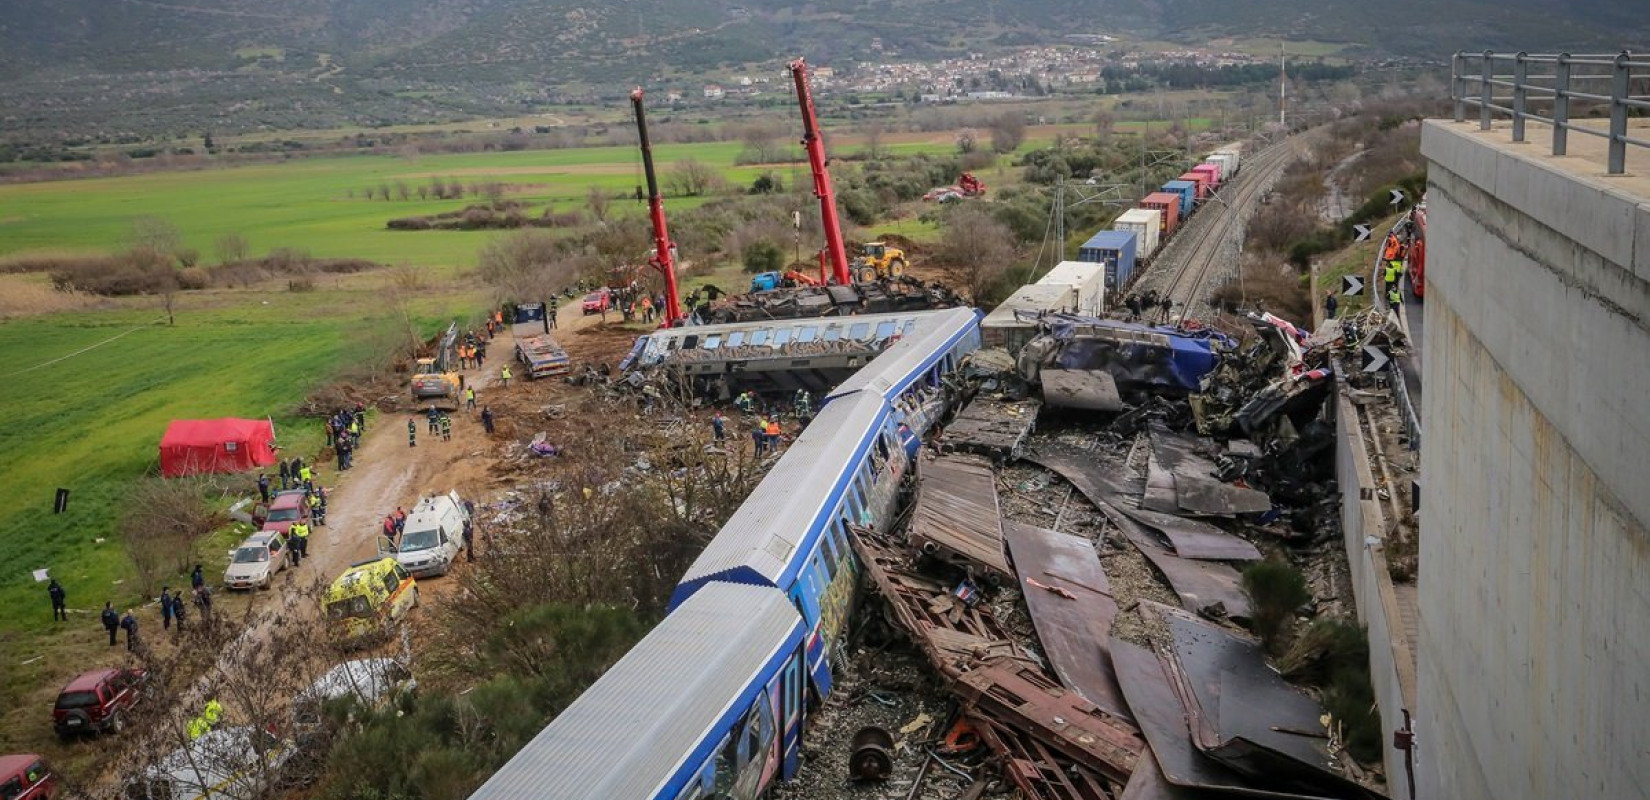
401 190
1275 589
976 249
762 144
162 521
692 178
967 141
873 142
763 255
208 144
1008 131
1103 122
526 265
597 202
230 247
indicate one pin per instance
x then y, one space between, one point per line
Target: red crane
662 259
815 144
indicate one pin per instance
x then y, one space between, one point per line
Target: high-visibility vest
305 474
1392 247
773 428
506 373
299 530
1391 272
1395 296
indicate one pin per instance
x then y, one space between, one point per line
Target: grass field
308 203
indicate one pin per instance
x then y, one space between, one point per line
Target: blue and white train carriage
712 702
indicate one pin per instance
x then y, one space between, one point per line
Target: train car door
793 710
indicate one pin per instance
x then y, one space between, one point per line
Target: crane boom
835 250
662 259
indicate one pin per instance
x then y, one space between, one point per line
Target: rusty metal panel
1038 772
1069 597
956 517
1018 695
1193 538
1195 489
995 428
1162 719
1204 587
1095 479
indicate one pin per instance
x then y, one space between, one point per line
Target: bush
763 255
1275 589
193 278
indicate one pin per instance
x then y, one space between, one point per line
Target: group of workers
343 431
1393 253
766 429
172 607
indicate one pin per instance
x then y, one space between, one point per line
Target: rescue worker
305 474
412 432
1393 255
434 418
360 419
263 487
129 624
60 609
718 425
315 512
446 428
1330 304
1395 298
203 601
504 374
179 609
197 578
400 521
111 620
470 398
487 419
389 527
771 431
165 608
300 542
284 475
759 436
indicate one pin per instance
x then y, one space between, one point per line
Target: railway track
1197 250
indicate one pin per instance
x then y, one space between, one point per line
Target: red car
598 301
287 507
97 701
26 777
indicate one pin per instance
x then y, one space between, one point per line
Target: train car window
761 336
910 326
690 342
827 556
713 341
736 338
726 757
807 334
833 333
839 531
886 329
781 336
859 330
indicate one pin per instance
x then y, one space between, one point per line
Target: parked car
256 561
287 507
432 538
26 777
231 763
369 594
97 701
598 301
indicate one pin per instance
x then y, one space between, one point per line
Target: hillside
102 67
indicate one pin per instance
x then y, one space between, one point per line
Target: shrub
304 284
763 255
192 278
1275 589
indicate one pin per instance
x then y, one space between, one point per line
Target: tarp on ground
201 446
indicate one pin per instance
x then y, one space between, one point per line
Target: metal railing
1566 86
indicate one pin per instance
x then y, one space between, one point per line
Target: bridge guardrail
1553 82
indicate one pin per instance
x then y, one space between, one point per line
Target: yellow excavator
435 380
877 260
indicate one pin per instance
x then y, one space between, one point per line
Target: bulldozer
877 260
435 380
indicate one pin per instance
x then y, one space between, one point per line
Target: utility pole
1283 84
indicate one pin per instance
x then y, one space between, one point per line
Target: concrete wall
1391 664
1534 668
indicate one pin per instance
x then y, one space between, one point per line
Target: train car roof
649 718
760 542
891 372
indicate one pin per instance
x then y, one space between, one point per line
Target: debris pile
883 296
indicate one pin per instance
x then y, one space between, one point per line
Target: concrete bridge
1534 651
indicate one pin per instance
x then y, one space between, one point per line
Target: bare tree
230 247
967 141
1103 121
162 521
401 190
597 202
692 178
976 249
1008 131
423 192
526 265
873 142
384 190
762 143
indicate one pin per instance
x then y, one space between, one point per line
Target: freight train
1140 233
714 701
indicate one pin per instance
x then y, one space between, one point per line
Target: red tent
195 446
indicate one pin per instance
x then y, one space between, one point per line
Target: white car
254 563
432 537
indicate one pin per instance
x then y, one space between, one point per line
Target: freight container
1086 280
1167 203
1214 174
1220 177
1014 323
1147 226
1235 153
1227 164
1188 195
1204 187
1116 249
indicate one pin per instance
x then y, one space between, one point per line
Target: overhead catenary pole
835 253
663 258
